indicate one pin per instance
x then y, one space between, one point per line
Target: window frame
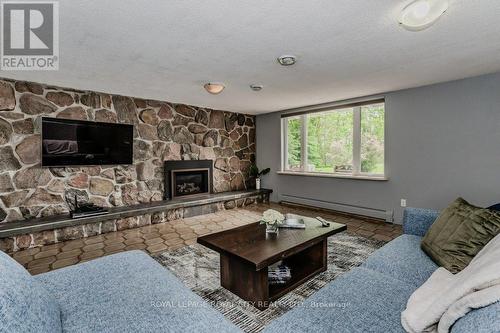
356 149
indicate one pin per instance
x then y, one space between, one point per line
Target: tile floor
175 234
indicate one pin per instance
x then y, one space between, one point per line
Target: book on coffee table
279 274
293 222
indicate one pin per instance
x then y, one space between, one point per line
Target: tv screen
75 142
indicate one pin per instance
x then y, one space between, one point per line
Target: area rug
198 268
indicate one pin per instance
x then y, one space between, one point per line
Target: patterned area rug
198 268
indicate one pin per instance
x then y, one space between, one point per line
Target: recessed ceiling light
287 60
421 14
214 88
256 87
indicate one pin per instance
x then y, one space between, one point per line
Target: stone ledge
12 229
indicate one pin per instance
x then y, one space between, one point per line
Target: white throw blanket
444 298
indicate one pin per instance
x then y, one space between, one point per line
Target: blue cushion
129 292
25 306
483 320
416 221
403 259
359 301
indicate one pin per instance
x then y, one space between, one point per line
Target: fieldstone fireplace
188 178
34 200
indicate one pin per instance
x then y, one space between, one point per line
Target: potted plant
256 173
272 219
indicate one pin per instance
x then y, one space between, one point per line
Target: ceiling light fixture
421 14
256 87
214 88
287 60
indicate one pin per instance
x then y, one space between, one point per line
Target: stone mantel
64 220
14 235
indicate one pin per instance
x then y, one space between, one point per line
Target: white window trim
334 175
356 172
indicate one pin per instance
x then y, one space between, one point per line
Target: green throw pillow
459 233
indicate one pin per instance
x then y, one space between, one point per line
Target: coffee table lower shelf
244 280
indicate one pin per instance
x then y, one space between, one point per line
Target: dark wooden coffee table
246 253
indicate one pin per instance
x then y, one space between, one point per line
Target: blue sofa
130 292
126 292
370 298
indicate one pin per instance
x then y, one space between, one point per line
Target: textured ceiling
164 49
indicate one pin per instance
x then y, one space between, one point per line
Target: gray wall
442 141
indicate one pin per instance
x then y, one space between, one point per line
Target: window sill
331 175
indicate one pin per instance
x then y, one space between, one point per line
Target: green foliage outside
330 140
294 143
372 139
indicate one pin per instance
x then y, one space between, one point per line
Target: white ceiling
165 49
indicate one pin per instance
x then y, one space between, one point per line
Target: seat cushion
25 306
359 301
129 292
404 260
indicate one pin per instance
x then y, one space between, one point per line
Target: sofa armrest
416 221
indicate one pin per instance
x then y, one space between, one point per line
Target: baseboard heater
387 215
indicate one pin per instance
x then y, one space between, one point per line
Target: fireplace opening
188 178
190 182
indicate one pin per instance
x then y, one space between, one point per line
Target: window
294 160
346 141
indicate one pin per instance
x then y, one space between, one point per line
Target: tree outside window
348 141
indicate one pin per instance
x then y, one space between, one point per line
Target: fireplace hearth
188 178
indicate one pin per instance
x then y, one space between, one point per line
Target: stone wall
162 131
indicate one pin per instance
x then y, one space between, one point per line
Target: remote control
324 223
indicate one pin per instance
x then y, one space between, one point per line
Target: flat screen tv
75 142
